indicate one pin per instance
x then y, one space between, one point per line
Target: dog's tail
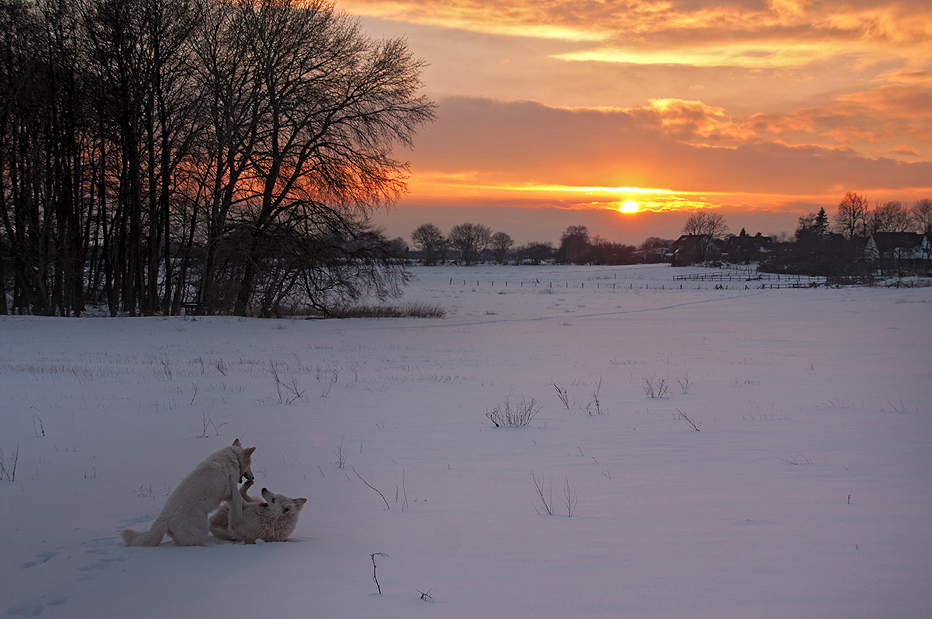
152 537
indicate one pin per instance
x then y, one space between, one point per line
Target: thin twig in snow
371 486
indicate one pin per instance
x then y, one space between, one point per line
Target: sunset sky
553 113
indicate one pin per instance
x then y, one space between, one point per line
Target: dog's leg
236 504
244 492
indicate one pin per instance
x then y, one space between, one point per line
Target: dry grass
518 416
407 310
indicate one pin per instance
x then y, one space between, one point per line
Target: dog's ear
249 451
300 502
236 443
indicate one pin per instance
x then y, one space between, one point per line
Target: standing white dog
184 516
272 520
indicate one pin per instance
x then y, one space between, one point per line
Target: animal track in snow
43 557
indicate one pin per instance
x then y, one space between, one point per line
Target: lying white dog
184 516
271 520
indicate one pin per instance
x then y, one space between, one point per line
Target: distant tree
429 240
706 223
708 227
501 243
536 252
574 243
821 222
890 217
399 246
922 215
851 219
653 248
603 251
815 252
653 242
813 226
806 226
470 240
810 254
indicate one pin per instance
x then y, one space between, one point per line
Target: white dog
271 521
184 516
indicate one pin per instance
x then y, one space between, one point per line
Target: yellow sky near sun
779 105
584 198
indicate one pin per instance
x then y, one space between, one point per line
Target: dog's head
244 455
282 505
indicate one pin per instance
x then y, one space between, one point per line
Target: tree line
156 153
470 243
835 245
821 245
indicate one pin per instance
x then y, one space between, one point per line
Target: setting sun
629 207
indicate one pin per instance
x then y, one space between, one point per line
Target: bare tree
22 149
706 223
653 242
470 240
890 217
707 228
922 215
154 149
536 252
305 113
851 219
501 243
429 240
603 251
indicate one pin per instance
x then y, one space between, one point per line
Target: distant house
745 248
896 252
691 248
653 255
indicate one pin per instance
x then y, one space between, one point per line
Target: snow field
807 491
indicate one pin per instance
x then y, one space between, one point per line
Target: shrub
655 387
520 415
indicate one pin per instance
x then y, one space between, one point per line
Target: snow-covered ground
806 493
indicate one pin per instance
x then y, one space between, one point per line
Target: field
705 453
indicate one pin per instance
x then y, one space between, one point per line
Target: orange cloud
686 119
874 122
894 99
917 77
523 147
784 32
903 149
850 135
788 9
